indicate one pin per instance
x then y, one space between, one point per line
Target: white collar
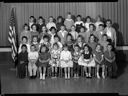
69 19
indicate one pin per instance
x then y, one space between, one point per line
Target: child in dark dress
44 58
110 61
22 62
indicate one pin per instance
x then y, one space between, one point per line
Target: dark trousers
112 69
76 68
21 70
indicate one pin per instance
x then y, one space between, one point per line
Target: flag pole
14 34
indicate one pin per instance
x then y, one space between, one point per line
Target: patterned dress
55 56
75 58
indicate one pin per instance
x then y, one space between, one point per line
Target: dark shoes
32 77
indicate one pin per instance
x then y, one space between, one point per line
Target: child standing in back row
68 22
79 23
50 23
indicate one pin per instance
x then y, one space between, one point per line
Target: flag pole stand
14 65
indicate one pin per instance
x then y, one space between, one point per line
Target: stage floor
11 84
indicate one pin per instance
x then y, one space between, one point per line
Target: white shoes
66 77
41 77
87 74
98 76
103 75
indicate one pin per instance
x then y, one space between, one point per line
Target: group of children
67 44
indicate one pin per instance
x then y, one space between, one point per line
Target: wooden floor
11 84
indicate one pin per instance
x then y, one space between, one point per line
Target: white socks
103 75
41 77
98 76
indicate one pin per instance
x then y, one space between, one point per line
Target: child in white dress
66 61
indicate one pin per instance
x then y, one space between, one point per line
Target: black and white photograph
64 47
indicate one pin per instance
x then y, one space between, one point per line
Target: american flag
12 36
